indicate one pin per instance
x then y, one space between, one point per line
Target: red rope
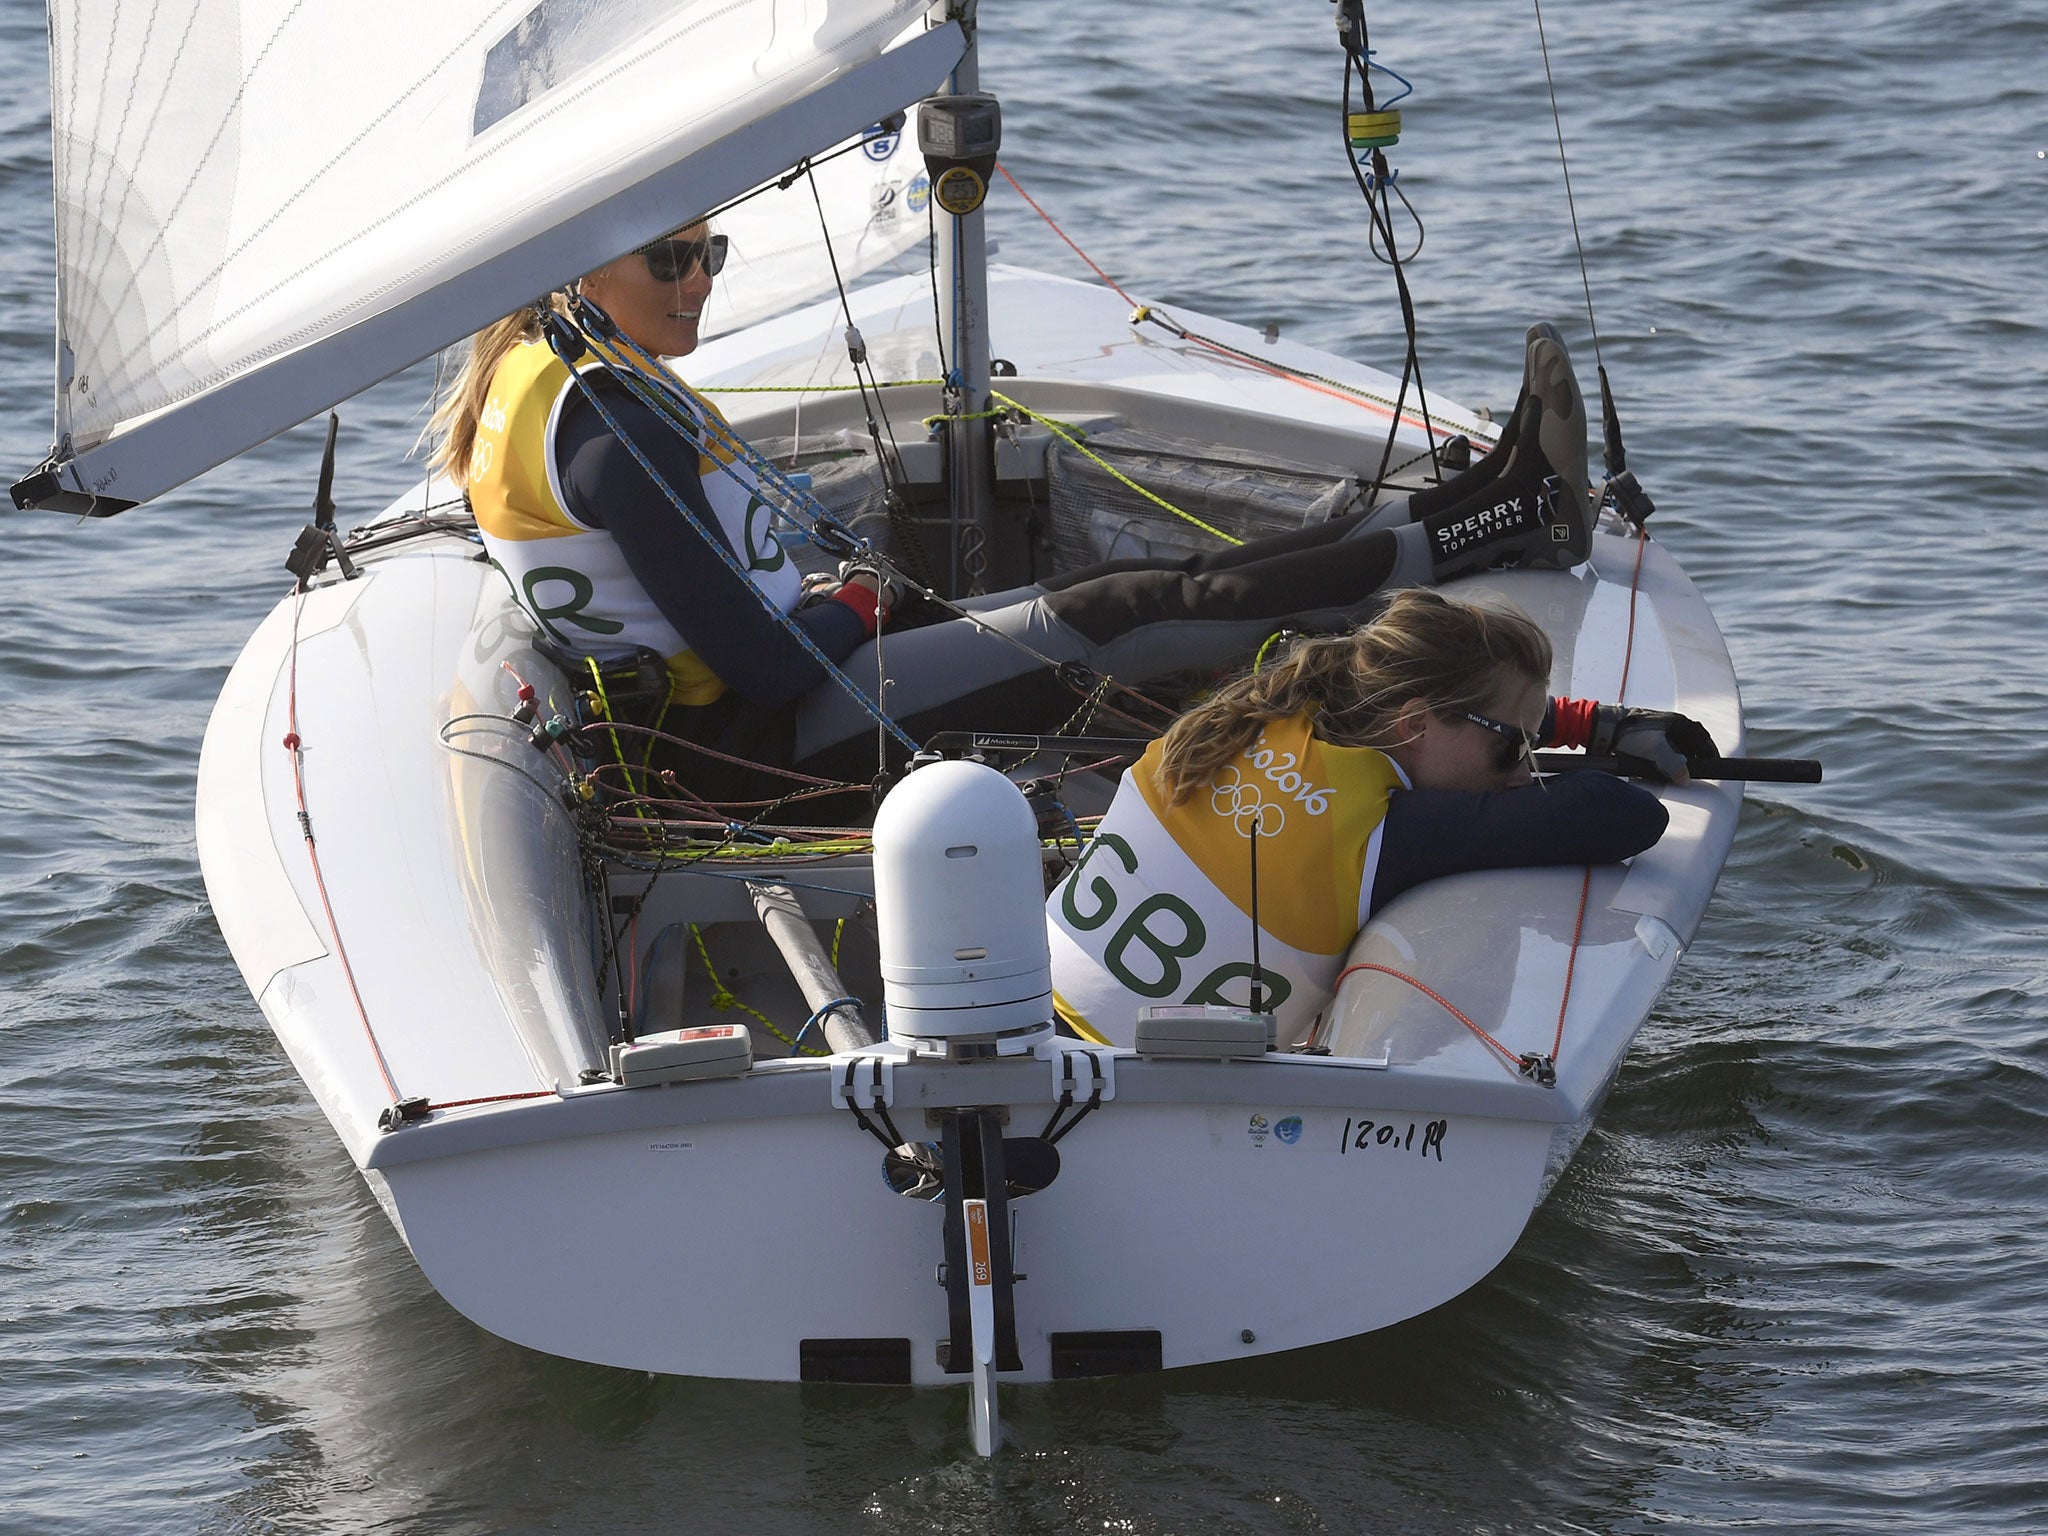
1106 278
1231 353
1437 997
1628 652
1635 584
1571 962
293 746
489 1098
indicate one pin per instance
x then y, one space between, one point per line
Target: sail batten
230 221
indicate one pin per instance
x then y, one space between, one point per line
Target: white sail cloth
240 180
876 204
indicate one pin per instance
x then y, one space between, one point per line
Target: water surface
1797 1279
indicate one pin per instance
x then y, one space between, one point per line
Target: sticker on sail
880 146
919 194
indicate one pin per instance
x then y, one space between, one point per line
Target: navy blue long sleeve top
1569 818
720 616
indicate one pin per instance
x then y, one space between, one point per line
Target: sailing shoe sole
1560 440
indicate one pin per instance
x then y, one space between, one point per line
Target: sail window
554 42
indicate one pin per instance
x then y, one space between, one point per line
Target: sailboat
671 1104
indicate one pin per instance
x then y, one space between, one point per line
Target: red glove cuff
866 605
1571 722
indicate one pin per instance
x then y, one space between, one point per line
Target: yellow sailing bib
570 576
1159 909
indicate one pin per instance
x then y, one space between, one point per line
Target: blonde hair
452 427
1452 655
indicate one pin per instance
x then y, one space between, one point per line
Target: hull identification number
1384 1137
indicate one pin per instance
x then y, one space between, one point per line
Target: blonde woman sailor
1364 764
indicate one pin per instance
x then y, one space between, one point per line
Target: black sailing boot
1481 471
1533 508
1404 510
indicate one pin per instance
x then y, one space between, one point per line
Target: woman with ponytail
1363 764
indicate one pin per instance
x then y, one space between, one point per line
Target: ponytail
1452 655
452 427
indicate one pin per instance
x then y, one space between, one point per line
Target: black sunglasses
1514 746
670 261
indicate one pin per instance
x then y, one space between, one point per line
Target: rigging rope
1351 31
667 402
1570 202
1067 435
1622 487
857 355
1143 314
294 745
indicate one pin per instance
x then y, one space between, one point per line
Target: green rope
1065 433
604 709
804 389
722 997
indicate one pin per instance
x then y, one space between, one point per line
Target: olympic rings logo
1246 808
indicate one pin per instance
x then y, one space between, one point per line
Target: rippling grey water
1798 1278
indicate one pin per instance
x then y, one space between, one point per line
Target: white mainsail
264 206
875 200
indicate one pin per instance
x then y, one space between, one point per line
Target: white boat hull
448 949
718 1249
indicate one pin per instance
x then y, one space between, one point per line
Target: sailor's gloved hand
865 587
875 577
1651 743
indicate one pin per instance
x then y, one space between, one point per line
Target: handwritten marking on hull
1384 1137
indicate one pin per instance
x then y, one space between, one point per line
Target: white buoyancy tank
960 902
